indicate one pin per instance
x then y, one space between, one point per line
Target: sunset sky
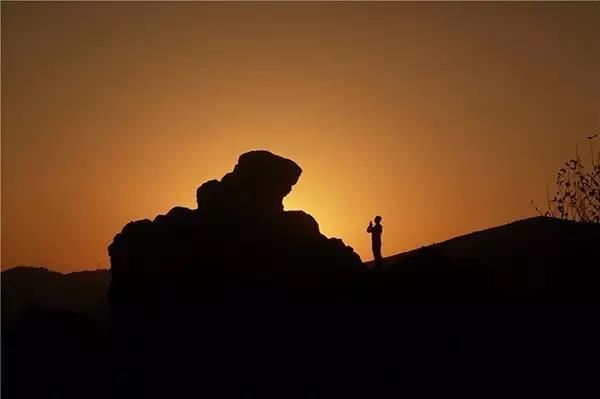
443 118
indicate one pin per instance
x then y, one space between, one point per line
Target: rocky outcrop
257 185
239 229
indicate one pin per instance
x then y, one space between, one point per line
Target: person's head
377 219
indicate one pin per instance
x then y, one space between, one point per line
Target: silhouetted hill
84 292
534 254
54 333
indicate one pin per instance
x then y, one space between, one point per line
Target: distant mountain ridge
83 292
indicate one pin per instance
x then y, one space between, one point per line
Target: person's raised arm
370 227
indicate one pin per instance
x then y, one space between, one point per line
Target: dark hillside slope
533 255
55 340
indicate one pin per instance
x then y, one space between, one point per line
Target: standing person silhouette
376 231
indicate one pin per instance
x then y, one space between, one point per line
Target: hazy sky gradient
443 118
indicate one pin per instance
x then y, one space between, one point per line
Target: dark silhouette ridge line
47 269
392 259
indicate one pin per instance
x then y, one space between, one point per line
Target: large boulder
257 184
239 231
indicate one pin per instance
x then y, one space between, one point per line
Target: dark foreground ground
507 312
341 336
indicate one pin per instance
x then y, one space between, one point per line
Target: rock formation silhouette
239 229
189 279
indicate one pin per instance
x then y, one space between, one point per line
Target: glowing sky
443 118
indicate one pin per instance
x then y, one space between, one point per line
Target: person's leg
377 256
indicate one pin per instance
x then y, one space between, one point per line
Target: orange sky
443 118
